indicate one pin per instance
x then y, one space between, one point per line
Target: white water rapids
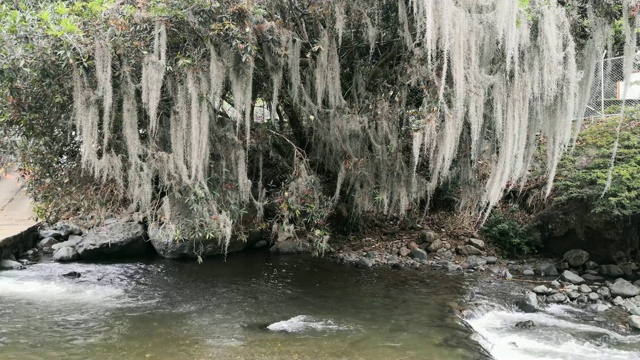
560 332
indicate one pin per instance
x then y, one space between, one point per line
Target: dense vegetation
214 117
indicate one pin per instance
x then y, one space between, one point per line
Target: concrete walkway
16 208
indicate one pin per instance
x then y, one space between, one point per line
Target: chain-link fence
610 88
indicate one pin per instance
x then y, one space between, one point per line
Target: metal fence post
602 84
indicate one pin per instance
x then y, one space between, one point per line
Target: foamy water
558 334
302 323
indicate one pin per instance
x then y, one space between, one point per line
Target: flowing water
256 306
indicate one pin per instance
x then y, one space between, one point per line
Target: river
258 306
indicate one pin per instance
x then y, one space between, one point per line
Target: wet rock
634 310
581 299
528 303
555 284
437 245
46 243
364 262
10 265
590 265
476 243
505 274
525 325
115 240
261 244
543 290
571 277
584 289
528 272
469 250
419 254
576 257
623 288
610 270
50 233
573 295
593 296
604 292
72 275
547 269
618 301
597 307
65 254
557 298
590 277
491 260
451 267
634 321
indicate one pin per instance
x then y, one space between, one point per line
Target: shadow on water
251 306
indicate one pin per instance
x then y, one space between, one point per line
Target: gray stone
47 243
491 260
576 257
557 298
573 295
66 254
590 277
437 245
505 274
528 272
634 310
525 325
427 236
610 270
598 307
604 292
72 242
364 262
404 251
50 233
627 269
10 265
634 321
590 265
115 240
618 301
469 250
476 243
571 287
636 283
419 254
584 289
528 303
571 277
622 287
593 296
543 290
261 244
547 269
68 229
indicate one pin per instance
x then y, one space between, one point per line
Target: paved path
16 209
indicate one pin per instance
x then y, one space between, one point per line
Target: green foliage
509 235
583 173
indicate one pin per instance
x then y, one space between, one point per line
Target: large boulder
164 241
72 242
66 254
469 250
623 288
10 265
116 240
634 321
576 257
528 303
547 269
610 270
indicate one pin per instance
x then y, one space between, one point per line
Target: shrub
509 235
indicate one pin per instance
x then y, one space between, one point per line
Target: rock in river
624 288
528 303
576 257
66 253
118 239
634 321
10 265
571 277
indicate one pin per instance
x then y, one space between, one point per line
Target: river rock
571 277
557 298
543 290
469 250
593 296
47 243
634 310
623 288
505 274
528 303
598 307
10 265
547 269
576 257
419 254
427 236
437 245
584 289
634 321
572 295
590 277
72 275
364 262
528 272
261 244
66 254
610 270
618 301
590 265
627 269
47 233
67 230
604 292
476 243
525 325
72 242
115 240
491 259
